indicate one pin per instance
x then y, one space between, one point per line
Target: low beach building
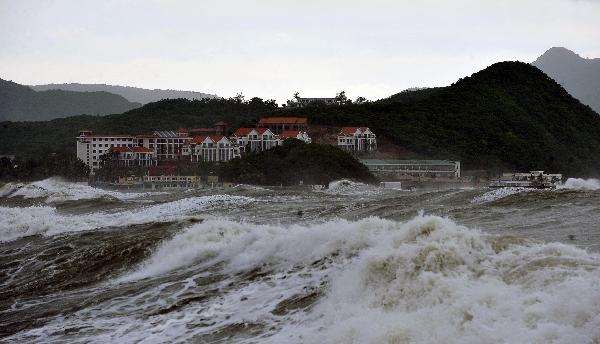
171 182
357 139
410 169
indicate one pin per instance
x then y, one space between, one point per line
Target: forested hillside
508 116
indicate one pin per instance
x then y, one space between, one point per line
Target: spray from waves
246 245
347 187
497 194
431 280
581 184
57 190
425 280
20 222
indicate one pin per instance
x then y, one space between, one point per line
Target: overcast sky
270 49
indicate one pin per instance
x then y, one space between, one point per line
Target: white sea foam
347 187
428 280
431 281
19 222
581 184
246 245
497 194
57 190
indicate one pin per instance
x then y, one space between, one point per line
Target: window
94 151
94 145
106 145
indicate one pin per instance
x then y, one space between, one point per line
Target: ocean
351 264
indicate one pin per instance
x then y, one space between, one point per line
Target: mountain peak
557 55
579 76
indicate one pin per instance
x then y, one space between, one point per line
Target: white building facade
358 139
211 148
256 139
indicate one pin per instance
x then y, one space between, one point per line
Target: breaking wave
34 220
425 280
347 187
581 184
57 190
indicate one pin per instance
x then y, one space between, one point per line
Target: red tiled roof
217 138
282 120
243 131
109 135
119 149
199 139
182 130
141 136
348 130
261 131
290 133
140 149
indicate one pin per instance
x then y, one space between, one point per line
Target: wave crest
581 184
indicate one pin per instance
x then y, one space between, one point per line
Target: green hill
507 116
21 103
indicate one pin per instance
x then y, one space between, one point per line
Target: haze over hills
509 116
579 76
133 94
21 103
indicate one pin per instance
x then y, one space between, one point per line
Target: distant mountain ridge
21 103
133 94
579 76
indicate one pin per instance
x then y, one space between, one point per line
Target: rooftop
405 162
243 131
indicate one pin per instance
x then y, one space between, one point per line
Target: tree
239 98
341 98
360 100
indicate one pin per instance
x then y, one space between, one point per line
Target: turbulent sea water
353 264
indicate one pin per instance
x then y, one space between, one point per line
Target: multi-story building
256 139
295 134
133 156
357 139
166 145
277 125
211 148
90 146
